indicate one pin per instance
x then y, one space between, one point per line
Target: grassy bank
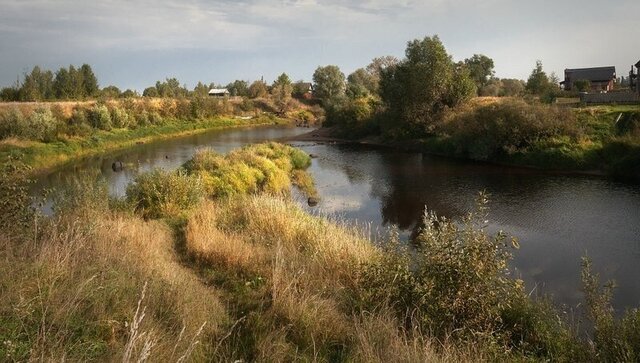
42 156
598 139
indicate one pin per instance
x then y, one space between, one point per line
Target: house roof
591 74
217 91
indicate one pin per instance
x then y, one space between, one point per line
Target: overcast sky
133 43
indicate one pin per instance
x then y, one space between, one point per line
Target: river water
557 218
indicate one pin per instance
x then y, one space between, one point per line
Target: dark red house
601 78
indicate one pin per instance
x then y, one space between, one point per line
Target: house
601 78
303 90
218 92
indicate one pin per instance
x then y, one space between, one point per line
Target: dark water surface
557 218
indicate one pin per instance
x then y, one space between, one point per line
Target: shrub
100 118
78 124
456 284
41 125
120 118
159 193
492 131
614 340
256 168
11 123
155 118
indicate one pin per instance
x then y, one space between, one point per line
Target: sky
134 43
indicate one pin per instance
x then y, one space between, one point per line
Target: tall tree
89 81
238 88
538 82
420 87
361 83
329 83
281 91
258 89
480 69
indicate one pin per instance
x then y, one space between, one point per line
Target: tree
281 91
361 83
582 85
110 92
329 83
424 84
512 87
62 84
480 69
201 90
150 92
258 89
89 81
538 82
129 93
238 88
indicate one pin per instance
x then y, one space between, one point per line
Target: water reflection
557 218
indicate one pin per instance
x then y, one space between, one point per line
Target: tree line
64 84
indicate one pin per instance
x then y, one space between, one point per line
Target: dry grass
303 310
71 293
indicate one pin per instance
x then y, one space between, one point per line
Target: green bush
41 125
492 131
11 123
457 283
265 167
78 124
120 118
100 118
159 193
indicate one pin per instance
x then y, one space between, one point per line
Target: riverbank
600 140
214 262
44 156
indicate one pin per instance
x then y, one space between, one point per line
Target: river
557 218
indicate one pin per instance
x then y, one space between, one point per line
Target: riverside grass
42 156
250 276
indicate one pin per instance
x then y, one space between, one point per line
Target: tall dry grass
72 289
294 277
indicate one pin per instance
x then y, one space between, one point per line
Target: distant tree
89 81
281 91
201 90
258 89
512 87
420 87
128 93
171 88
361 83
480 69
110 92
10 94
379 64
238 88
329 83
37 85
150 92
62 84
538 82
76 83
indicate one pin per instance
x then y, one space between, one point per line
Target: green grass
43 156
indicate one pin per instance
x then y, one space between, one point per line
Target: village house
218 92
600 78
